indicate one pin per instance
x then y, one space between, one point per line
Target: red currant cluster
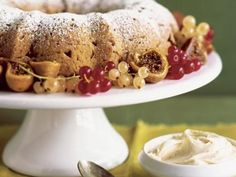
209 40
181 64
94 80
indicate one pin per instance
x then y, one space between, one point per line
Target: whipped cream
194 147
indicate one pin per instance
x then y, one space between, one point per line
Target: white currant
123 67
138 82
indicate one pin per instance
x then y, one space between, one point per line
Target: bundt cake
88 46
76 33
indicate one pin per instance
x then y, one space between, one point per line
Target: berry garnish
94 86
202 29
175 73
173 56
71 85
109 66
83 87
51 85
197 64
124 80
138 82
38 87
123 67
189 67
189 22
184 57
114 74
143 72
176 56
173 49
98 73
105 85
85 72
210 35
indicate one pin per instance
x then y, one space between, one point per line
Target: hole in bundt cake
68 6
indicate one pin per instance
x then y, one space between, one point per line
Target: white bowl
163 169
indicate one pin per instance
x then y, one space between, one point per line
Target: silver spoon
90 169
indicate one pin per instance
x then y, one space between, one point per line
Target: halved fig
155 61
195 49
46 68
18 80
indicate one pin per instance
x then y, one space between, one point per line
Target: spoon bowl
90 169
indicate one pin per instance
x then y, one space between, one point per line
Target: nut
155 61
46 68
16 80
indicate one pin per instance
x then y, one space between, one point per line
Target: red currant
109 66
184 57
94 87
105 85
173 56
173 49
83 87
189 67
85 72
98 73
175 73
197 64
210 35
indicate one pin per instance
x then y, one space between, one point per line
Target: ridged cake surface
82 32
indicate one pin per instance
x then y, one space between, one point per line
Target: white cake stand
59 130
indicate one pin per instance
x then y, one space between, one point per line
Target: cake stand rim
117 97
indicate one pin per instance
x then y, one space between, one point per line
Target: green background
211 104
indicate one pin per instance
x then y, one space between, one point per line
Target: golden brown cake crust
75 40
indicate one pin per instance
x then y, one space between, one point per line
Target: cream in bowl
192 153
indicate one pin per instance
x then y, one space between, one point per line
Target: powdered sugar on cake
109 29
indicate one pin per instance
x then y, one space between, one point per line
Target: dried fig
46 68
195 49
155 61
18 80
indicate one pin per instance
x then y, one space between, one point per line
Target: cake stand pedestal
59 130
50 142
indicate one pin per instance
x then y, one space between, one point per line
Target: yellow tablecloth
135 137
